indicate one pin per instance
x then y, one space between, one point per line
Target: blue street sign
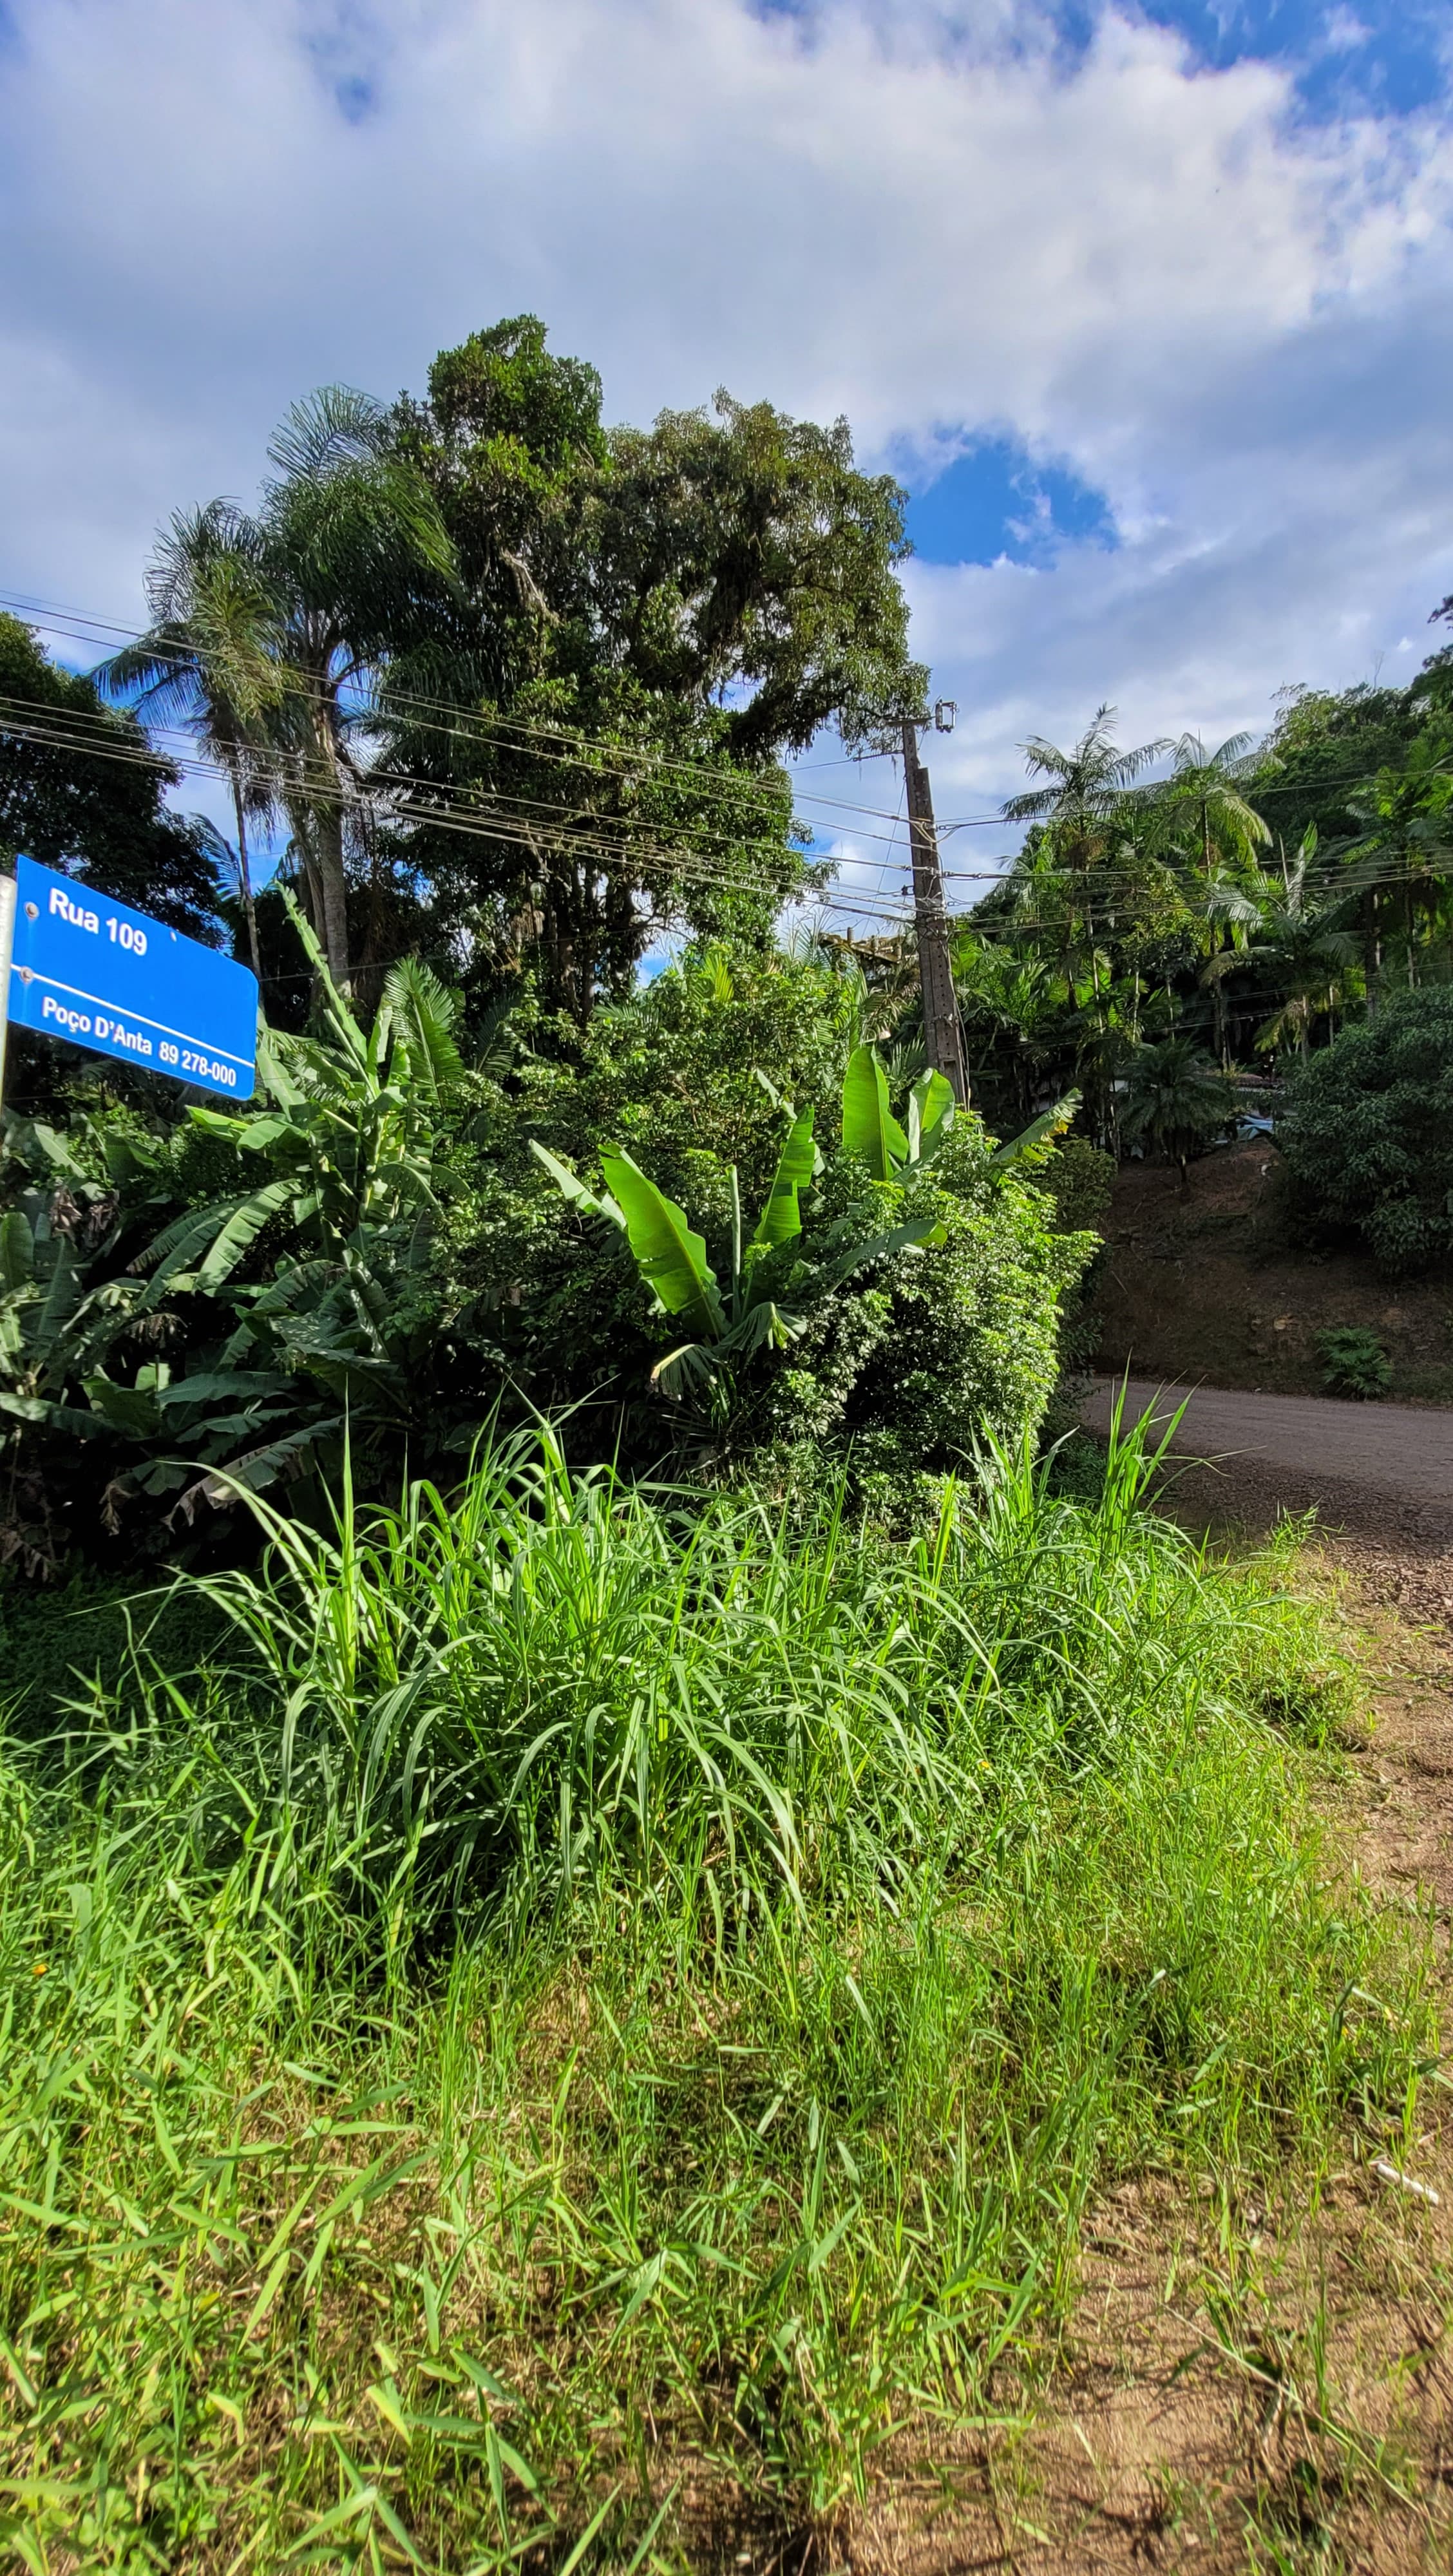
85 968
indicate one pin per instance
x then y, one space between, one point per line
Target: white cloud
1231 324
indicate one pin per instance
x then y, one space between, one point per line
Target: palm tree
272 632
1083 788
355 552
212 661
1403 849
1178 1098
1202 802
1306 942
1201 810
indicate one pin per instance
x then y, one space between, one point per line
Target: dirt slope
1210 1284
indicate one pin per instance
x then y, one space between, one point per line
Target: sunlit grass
596 2001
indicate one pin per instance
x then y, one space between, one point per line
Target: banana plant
776 1277
57 1335
347 1141
51 1329
870 1129
873 1134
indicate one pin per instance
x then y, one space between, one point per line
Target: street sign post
122 984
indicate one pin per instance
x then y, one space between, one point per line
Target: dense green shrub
1078 1179
911 1361
1367 1130
949 1343
689 1076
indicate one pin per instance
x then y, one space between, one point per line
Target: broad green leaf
17 1251
781 1218
870 1129
668 1254
57 1417
347 1035
931 1108
64 1290
132 1409
57 1150
690 1364
238 1386
572 1187
1053 1122
762 1325
241 1228
424 1013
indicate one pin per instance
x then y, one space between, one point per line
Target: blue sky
995 502
1390 56
1146 307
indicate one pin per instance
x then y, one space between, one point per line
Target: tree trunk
1218 1014
332 888
244 877
373 965
327 840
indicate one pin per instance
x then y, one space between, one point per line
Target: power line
598 848
97 734
505 732
436 807
604 851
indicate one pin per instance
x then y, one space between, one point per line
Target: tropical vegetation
610 1829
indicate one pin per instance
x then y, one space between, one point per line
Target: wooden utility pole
942 1031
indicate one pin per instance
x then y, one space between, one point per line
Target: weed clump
1354 1362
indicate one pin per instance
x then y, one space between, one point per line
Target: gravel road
1403 1449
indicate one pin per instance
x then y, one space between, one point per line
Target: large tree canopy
82 789
644 621
536 676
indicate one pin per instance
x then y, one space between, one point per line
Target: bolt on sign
122 984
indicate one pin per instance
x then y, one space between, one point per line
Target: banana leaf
781 1217
870 1129
931 1108
919 1233
1053 1122
17 1251
134 1410
668 1254
56 1417
572 1187
63 1287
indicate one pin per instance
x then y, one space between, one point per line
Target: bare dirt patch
1211 1283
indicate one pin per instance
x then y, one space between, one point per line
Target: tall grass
596 2006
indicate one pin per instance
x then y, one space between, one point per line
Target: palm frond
425 1013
